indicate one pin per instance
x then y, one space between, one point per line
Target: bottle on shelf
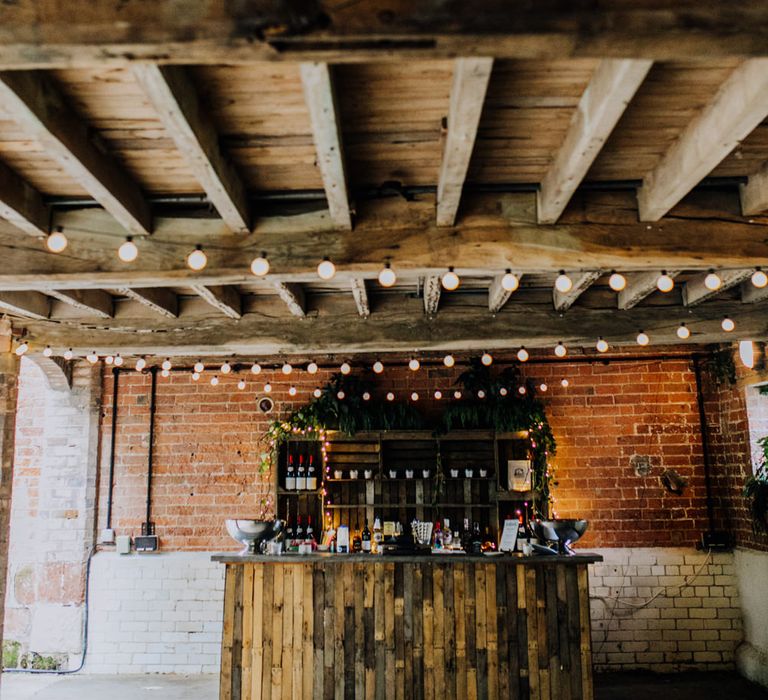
477 539
288 541
301 478
378 537
447 534
466 537
522 533
365 539
357 541
489 543
290 475
298 536
311 473
309 534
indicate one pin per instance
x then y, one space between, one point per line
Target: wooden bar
362 626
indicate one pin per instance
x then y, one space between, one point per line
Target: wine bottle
357 540
477 540
311 474
299 536
378 537
290 474
309 535
365 538
301 479
466 537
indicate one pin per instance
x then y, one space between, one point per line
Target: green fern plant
756 490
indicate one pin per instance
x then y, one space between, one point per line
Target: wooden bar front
371 627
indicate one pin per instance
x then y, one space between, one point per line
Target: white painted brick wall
696 622
155 613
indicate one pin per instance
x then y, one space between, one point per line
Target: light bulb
759 278
480 394
563 283
68 354
47 352
457 394
642 338
118 360
450 280
560 350
128 252
340 395
195 376
390 396
449 361
601 345
56 241
166 372
747 353
317 393
109 359
326 269
255 368
260 265
141 363
312 367
387 276
226 368
267 388
521 390
438 394
712 281
366 396
509 282
241 384
345 368
197 259
378 367
166 363
522 355
292 391
23 347
503 391
665 283
286 368
487 359
727 324
214 380
683 332
564 383
543 387
413 364
617 281
92 357
414 396
199 367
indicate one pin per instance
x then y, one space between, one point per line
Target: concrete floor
679 686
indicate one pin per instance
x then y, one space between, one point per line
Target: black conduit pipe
148 528
115 375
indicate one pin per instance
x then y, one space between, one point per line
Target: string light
197 259
378 367
366 396
292 391
199 367
522 355
166 372
226 368
413 364
683 332
438 394
487 359
712 281
260 265
414 396
128 252
601 345
255 368
642 338
312 367
47 352
68 354
214 380
509 282
286 368
564 383
450 280
560 350
563 283
759 278
665 283
141 363
241 384
480 394
317 393
345 368
747 353
457 394
22 348
521 390
326 269
195 376
543 387
267 388
390 396
727 324
118 360
449 361
617 281
387 276
56 241
503 391
92 357
166 363
109 359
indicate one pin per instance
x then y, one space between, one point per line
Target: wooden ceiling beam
562 301
187 121
754 193
360 296
695 290
161 301
432 290
612 86
470 82
320 99
36 104
737 108
639 286
95 301
497 295
293 296
225 299
21 204
751 294
32 305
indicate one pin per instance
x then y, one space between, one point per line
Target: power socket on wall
641 464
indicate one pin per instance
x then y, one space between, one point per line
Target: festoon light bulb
487 359
345 368
665 283
449 361
166 363
759 278
128 252
260 265
199 367
312 367
197 259
601 345
683 332
326 269
510 281
727 324
141 363
560 350
56 242
642 338
413 364
387 276
712 281
286 368
378 367
563 283
47 352
617 281
522 355
450 280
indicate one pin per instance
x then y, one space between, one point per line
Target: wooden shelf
293 492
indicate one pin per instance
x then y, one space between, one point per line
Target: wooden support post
432 290
564 300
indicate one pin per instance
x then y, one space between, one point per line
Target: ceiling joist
360 296
32 305
754 193
562 301
497 295
639 286
225 299
696 291
160 300
21 204
94 301
431 292
293 296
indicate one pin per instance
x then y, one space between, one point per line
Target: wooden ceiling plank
751 294
95 301
320 99
293 296
754 193
360 296
563 301
224 298
497 295
21 204
33 305
162 301
737 109
187 121
36 104
432 289
695 291
609 92
639 286
470 82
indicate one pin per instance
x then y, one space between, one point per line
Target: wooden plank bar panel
424 628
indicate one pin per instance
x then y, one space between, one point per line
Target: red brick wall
207 447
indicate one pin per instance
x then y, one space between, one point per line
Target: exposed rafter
470 82
497 295
27 304
38 107
293 296
225 299
361 297
188 123
563 301
695 290
432 291
162 301
94 301
639 286
602 103
21 204
754 193
751 294
739 106
323 113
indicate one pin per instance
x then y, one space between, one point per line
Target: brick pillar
9 373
